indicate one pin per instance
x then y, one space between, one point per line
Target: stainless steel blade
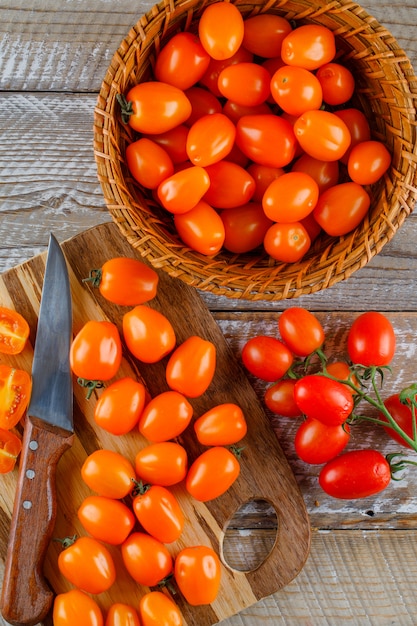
51 399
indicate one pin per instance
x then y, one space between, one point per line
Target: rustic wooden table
362 567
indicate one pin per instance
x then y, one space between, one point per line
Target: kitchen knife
26 597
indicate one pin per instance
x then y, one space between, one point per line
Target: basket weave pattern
386 90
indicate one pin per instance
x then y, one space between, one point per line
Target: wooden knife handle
26 598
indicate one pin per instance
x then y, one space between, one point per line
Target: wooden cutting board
265 472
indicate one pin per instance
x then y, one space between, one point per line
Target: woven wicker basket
386 92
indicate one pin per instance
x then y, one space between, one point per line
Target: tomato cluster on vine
247 136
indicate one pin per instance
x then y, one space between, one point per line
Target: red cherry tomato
309 46
87 564
296 90
10 447
287 243
325 173
146 559
222 425
264 34
355 474
337 83
165 416
355 201
164 463
96 351
125 281
120 405
14 331
211 77
279 398
76 607
148 162
197 572
245 227
358 126
148 333
266 357
210 139
371 340
122 615
212 473
323 399
368 161
266 139
108 473
322 134
180 192
182 61
290 197
191 367
157 609
15 390
158 512
316 443
221 30
106 519
342 371
253 76
203 102
201 229
301 331
402 415
230 185
155 107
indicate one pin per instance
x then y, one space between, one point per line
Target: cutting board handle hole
250 535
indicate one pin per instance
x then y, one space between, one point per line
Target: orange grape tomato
76 607
146 559
342 371
358 126
235 111
322 135
337 83
312 227
15 390
245 227
353 199
157 107
182 61
180 192
211 77
108 473
14 331
125 281
87 564
164 463
231 185
106 519
263 176
148 162
201 229
120 405
165 416
210 139
173 142
212 473
279 398
325 173
122 615
197 572
222 425
309 46
157 609
10 448
296 90
266 139
148 333
221 30
203 102
96 351
287 242
264 34
158 512
290 197
368 161
254 77
191 367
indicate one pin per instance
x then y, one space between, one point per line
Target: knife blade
48 432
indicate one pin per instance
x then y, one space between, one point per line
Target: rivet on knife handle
26 597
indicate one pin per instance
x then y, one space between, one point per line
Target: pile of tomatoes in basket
247 137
